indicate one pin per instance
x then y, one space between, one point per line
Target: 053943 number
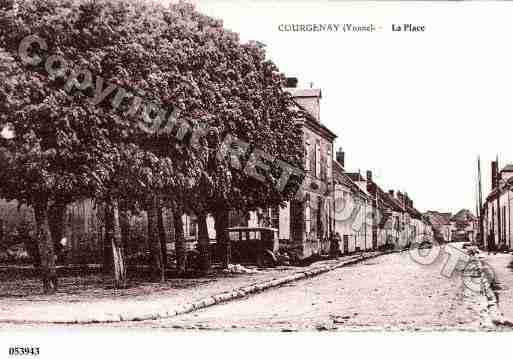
19 351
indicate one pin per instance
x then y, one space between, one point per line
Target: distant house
367 217
415 226
442 225
396 222
465 226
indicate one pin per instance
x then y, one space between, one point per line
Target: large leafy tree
54 155
174 57
238 94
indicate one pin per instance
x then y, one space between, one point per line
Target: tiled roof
493 194
463 215
343 178
397 204
302 92
508 168
355 176
438 218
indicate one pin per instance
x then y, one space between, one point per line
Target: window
318 159
328 165
504 224
275 218
323 163
193 226
308 214
307 155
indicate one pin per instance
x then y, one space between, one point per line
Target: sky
415 108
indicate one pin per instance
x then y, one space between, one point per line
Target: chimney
391 192
340 157
369 175
291 82
494 174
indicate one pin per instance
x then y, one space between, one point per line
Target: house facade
367 217
304 224
497 216
353 208
465 226
311 217
441 224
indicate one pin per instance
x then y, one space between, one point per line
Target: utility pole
497 184
509 217
480 202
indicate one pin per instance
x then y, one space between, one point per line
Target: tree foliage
68 146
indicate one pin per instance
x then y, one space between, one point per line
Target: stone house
304 224
352 208
441 224
497 215
465 226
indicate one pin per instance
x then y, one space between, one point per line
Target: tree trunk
162 233
124 223
179 242
56 219
108 259
158 268
45 244
203 244
221 223
113 236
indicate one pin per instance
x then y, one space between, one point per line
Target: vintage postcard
222 166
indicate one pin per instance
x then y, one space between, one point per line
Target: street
389 292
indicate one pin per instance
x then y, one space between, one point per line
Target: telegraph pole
497 185
480 202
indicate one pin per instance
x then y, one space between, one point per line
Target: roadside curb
237 293
496 316
251 289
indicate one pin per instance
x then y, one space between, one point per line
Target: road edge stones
224 297
494 312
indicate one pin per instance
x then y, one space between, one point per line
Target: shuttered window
308 216
328 165
275 218
318 159
307 155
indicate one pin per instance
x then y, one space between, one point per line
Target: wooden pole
499 221
480 199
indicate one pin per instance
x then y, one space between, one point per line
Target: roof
395 203
439 218
355 176
493 194
463 215
340 176
310 120
508 168
317 125
302 92
414 212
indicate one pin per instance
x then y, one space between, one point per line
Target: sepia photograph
190 168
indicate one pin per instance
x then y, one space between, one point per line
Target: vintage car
253 245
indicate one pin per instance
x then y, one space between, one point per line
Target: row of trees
65 146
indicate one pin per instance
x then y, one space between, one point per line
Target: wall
351 214
491 224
